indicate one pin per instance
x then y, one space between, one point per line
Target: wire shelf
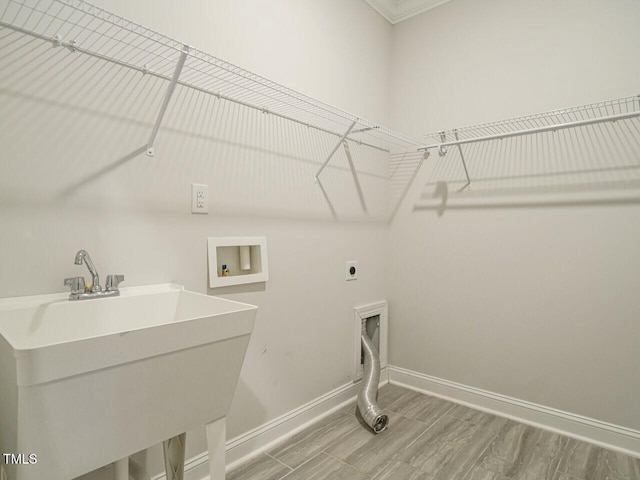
84 28
589 150
607 111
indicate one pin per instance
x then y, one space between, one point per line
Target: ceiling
397 10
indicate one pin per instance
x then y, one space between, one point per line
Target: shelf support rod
335 149
167 98
464 164
347 152
531 131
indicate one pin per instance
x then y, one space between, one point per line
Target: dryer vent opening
373 331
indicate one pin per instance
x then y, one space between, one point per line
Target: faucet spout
83 256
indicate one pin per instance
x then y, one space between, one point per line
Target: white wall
536 303
534 299
70 178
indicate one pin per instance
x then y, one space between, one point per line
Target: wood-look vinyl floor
431 439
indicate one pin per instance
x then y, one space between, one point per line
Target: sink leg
174 456
216 439
122 469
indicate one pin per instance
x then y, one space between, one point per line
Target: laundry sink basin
85 383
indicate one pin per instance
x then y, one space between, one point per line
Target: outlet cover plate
351 264
199 198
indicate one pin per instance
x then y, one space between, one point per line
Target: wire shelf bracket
464 163
347 152
335 149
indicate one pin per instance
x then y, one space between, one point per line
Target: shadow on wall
75 130
593 165
238 418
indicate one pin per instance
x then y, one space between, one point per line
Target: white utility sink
86 383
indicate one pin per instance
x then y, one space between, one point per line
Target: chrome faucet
81 292
83 256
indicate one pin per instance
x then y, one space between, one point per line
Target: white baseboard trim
613 437
254 442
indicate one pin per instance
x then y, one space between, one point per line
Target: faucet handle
113 281
76 283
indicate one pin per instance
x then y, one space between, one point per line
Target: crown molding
395 11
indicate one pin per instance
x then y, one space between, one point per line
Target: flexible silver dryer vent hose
369 409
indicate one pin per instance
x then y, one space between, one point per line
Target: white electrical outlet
352 270
199 198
